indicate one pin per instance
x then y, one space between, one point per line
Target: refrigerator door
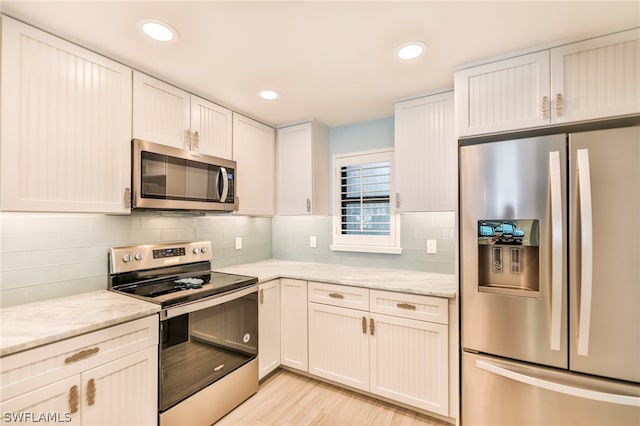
514 182
605 253
497 392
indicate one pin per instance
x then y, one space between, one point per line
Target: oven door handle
206 302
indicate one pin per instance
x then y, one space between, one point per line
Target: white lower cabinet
293 321
269 327
339 345
108 377
395 346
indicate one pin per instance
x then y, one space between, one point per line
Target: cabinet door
339 345
122 392
505 95
66 125
293 321
254 153
410 362
56 403
269 327
214 126
161 112
596 78
295 170
426 154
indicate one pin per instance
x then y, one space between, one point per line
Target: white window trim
364 243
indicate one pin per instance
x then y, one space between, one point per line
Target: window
364 217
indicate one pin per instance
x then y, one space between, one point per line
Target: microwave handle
225 184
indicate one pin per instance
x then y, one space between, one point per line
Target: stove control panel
147 256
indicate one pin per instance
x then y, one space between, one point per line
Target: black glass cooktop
180 289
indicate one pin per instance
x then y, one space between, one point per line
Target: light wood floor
286 398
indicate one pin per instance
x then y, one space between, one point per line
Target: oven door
204 341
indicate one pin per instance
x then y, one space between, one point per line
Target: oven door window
203 346
171 178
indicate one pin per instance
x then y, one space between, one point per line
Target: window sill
366 249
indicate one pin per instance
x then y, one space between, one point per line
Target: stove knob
196 250
204 250
126 258
139 256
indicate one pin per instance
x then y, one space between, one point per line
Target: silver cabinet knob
139 256
126 258
196 250
204 250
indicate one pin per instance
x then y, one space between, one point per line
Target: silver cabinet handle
397 199
308 205
196 140
187 138
544 108
558 104
586 262
555 179
407 306
336 295
127 198
261 296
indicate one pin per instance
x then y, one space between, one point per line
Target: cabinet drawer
339 295
37 367
413 306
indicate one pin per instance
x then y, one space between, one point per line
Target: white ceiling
332 61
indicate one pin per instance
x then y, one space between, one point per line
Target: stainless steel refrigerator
550 279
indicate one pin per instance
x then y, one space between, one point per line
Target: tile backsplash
291 242
51 255
43 256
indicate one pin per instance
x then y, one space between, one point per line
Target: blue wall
374 134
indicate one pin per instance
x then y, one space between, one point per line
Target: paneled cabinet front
587 80
303 169
254 152
395 345
66 125
108 377
269 327
426 154
293 321
165 114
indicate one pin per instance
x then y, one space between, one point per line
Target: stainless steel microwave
167 178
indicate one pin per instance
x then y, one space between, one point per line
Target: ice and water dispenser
508 256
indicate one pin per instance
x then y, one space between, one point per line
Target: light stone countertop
35 324
400 280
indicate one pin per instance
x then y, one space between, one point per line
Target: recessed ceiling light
157 30
269 95
410 50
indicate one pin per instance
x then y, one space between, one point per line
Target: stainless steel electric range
208 327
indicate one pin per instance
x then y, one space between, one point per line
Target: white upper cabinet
592 79
165 114
596 78
503 95
254 153
426 162
66 125
303 169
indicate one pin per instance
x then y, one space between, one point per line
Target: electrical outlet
313 241
431 247
238 243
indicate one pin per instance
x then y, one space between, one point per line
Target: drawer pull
86 353
407 306
364 325
336 295
372 326
73 399
262 296
91 392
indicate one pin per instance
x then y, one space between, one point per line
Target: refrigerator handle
579 392
555 181
586 260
